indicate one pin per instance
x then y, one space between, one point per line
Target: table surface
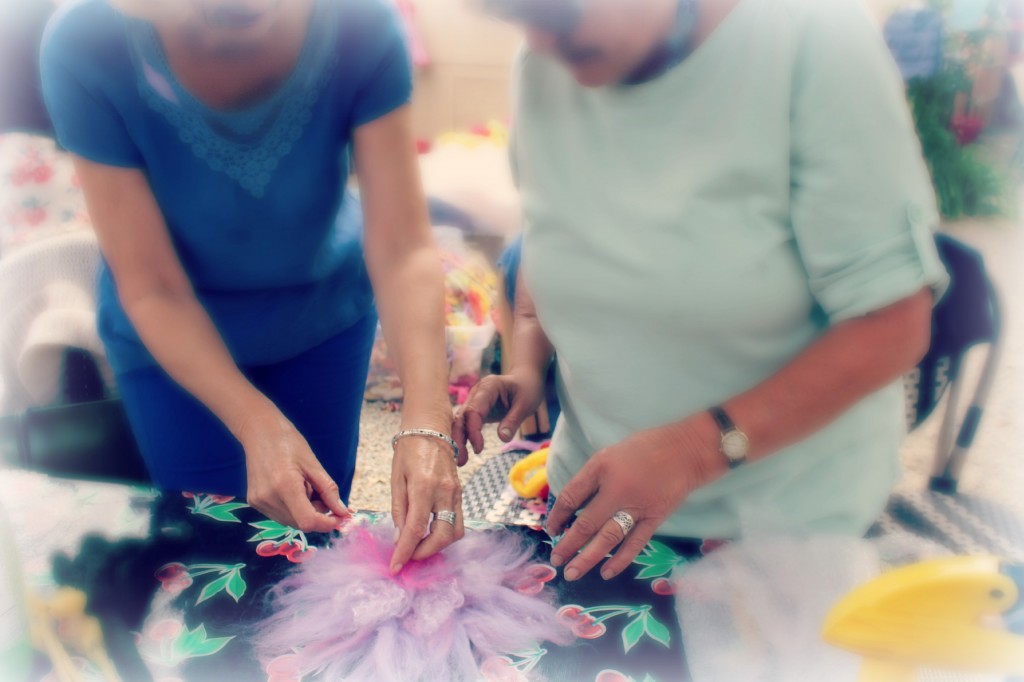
179 580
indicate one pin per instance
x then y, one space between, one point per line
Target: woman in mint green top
731 252
214 140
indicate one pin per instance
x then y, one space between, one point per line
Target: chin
593 78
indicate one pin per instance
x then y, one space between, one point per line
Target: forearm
531 349
848 363
179 334
409 286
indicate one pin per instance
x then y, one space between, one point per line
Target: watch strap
721 417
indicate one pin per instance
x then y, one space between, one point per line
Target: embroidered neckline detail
245 144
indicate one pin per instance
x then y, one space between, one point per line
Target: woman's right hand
508 398
286 481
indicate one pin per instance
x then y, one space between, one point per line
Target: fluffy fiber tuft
346 618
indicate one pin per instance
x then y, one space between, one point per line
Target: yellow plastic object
944 613
529 476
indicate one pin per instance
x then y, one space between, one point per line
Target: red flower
36 215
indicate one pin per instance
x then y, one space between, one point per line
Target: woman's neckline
312 34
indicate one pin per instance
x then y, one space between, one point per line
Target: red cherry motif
569 614
500 669
583 625
221 499
174 578
586 628
267 548
164 630
296 554
609 675
709 546
284 669
188 495
663 586
171 571
536 575
542 572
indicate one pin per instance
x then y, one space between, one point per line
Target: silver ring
624 520
446 516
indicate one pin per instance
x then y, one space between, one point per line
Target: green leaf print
218 585
656 630
195 643
632 633
222 512
236 585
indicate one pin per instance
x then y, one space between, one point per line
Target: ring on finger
625 521
445 515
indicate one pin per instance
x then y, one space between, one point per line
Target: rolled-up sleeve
863 208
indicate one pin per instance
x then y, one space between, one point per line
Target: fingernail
506 433
396 534
606 574
395 569
557 560
571 574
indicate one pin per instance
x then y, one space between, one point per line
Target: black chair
968 316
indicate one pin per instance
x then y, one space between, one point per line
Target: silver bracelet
430 433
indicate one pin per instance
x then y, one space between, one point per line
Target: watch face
735 445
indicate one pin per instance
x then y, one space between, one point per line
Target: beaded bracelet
430 433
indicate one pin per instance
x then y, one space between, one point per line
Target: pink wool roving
344 617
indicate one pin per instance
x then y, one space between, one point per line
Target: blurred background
962 63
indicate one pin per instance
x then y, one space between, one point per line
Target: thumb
517 413
327 489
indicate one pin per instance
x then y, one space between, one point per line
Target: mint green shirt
687 237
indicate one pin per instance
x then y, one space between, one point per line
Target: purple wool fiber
345 617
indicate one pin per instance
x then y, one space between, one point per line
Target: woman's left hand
424 480
647 476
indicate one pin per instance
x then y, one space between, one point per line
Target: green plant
965 184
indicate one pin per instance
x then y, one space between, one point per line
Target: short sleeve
77 98
863 207
387 84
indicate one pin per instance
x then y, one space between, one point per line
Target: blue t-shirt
254 199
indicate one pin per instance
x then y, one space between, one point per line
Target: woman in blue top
213 140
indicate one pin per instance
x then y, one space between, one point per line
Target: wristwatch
735 445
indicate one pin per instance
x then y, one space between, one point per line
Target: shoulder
827 21
84 34
538 76
82 24
365 18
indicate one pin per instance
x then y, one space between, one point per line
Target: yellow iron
956 613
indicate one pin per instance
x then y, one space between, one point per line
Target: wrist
435 418
699 437
256 419
527 376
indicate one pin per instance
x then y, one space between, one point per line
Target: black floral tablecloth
178 598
